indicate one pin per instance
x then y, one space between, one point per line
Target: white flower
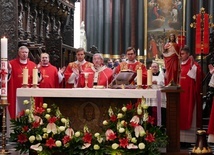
144 106
114 146
51 127
58 143
138 129
110 112
99 139
119 115
124 109
141 146
142 133
48 110
97 134
135 119
69 132
121 130
77 134
38 137
47 116
134 140
37 147
86 145
145 117
96 147
27 111
25 102
61 128
63 120
45 105
123 122
132 146
105 122
44 130
45 136
139 110
32 139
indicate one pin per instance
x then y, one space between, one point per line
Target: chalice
86 79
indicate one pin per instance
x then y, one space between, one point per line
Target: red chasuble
190 96
211 121
104 77
134 67
69 71
49 77
15 82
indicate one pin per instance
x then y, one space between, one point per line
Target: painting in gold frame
162 17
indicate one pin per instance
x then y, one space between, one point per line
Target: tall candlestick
35 76
149 77
4 47
138 52
25 76
145 53
139 76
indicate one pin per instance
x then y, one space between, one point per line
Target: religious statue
83 40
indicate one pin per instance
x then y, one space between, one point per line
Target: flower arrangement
130 130
46 131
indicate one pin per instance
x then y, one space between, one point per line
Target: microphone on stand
106 78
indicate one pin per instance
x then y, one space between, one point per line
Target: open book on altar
124 77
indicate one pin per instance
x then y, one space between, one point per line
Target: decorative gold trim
184 17
145 23
106 55
115 56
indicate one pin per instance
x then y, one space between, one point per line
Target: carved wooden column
9 24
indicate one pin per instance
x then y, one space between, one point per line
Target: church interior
109 27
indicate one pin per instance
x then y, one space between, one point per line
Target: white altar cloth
153 96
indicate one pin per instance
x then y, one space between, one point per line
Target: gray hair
98 54
23 47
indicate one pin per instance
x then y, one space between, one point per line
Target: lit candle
138 52
149 77
145 53
139 76
25 76
4 47
35 76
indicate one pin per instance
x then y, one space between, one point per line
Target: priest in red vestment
50 76
98 75
132 64
74 69
210 130
171 60
191 84
15 69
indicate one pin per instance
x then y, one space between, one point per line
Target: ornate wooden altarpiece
41 25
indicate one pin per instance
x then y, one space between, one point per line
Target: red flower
50 143
110 135
25 128
113 118
52 119
35 124
22 113
133 124
66 139
22 138
87 138
151 120
124 142
150 138
129 106
39 110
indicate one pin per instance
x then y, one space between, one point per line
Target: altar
88 106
